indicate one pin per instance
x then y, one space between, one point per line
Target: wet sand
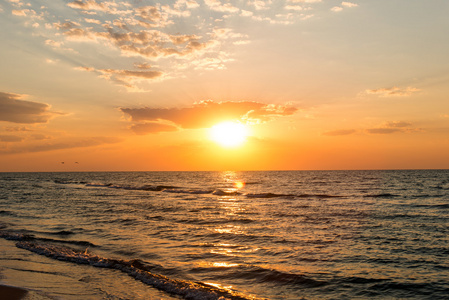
12 293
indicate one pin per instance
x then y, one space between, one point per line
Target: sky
136 85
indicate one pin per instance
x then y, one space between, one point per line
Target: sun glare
229 134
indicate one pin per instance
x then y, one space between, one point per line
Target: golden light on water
239 184
229 134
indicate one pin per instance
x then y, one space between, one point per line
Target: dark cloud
146 128
12 109
207 113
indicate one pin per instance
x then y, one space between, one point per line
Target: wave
222 220
137 269
219 192
273 195
381 195
411 289
153 188
264 275
8 213
193 191
19 236
440 206
64 181
269 195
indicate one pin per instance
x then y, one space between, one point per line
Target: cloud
88 5
344 4
21 13
10 138
40 136
304 1
393 92
187 3
349 4
216 5
340 132
12 109
294 7
91 5
127 78
393 127
398 124
60 145
205 114
337 8
385 128
179 34
152 127
16 129
260 5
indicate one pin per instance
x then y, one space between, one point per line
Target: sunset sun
229 134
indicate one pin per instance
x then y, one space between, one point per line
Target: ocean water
227 235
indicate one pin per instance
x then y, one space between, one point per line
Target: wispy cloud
385 128
10 138
393 91
337 8
216 5
16 128
393 127
305 1
349 4
152 127
127 78
203 115
14 109
344 5
340 132
71 143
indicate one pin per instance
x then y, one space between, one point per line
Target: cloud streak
393 127
14 109
385 128
61 145
127 78
10 138
203 115
393 92
340 132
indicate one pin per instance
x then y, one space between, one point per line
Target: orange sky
124 86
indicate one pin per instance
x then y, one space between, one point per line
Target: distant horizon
155 171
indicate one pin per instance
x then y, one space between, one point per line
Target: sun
229 134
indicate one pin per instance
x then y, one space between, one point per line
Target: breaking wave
135 268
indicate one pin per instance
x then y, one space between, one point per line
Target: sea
226 235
